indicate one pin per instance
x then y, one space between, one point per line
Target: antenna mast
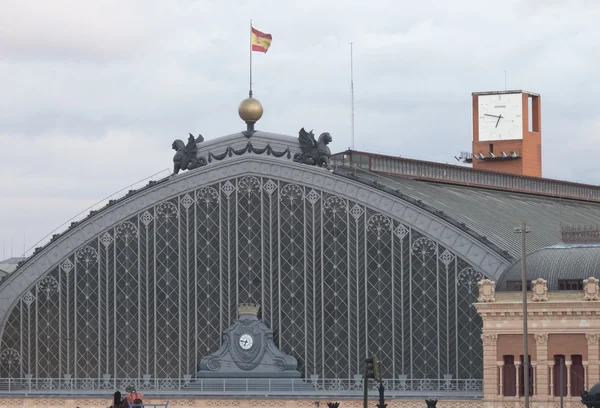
352 91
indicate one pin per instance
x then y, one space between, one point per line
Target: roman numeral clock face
500 117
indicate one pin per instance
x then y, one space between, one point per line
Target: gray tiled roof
561 261
10 264
494 213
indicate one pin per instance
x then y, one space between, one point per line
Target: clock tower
507 134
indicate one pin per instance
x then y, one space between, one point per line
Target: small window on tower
491 148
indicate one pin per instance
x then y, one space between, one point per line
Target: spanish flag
260 41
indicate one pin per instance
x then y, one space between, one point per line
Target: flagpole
352 91
250 93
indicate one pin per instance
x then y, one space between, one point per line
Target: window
570 284
515 286
491 148
577 375
558 361
509 378
522 377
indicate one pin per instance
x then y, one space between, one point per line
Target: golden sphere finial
250 110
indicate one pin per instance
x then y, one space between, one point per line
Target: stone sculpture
185 156
314 152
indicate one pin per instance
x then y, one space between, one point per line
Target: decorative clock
500 117
246 341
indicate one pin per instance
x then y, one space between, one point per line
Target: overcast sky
94 92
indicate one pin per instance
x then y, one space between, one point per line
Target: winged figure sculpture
314 152
186 154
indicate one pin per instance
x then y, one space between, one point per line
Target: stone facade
562 324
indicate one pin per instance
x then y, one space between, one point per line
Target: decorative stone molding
590 289
487 290
592 338
550 314
541 339
489 339
540 290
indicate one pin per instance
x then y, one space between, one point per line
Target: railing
469 388
465 175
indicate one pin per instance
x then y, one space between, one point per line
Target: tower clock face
500 117
246 341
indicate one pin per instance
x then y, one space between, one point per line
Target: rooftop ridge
461 175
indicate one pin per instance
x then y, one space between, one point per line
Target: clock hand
495 116
498 121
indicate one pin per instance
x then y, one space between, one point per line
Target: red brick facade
529 148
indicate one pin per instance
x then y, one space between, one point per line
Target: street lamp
523 230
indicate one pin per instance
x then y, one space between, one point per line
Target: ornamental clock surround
500 117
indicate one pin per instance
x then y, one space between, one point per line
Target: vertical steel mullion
155 351
356 254
456 311
292 274
21 306
229 294
29 337
306 375
322 293
262 247
139 300
220 201
75 348
167 328
437 302
179 311
410 301
348 295
60 336
237 244
271 253
195 291
148 276
208 220
402 332
115 348
279 270
335 288
100 315
447 324
314 291
379 274
393 296
365 272
106 305
37 323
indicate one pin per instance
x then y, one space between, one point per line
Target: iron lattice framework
336 281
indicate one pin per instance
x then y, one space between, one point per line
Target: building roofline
510 91
425 170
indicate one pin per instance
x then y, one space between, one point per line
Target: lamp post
523 230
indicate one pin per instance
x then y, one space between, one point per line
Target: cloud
94 93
